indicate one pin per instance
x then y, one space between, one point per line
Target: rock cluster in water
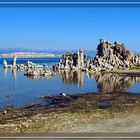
32 69
40 72
71 61
109 56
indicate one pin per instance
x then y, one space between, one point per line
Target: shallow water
18 90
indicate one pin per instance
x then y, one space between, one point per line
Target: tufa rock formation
71 61
5 64
14 60
114 56
32 70
109 56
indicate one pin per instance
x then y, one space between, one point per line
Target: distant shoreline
30 55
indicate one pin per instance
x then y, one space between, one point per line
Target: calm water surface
18 90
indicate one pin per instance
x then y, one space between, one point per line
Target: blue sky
68 28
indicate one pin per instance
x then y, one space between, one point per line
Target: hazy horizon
68 28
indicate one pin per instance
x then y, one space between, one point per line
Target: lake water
18 90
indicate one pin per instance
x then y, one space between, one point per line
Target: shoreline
119 120
74 113
30 55
116 111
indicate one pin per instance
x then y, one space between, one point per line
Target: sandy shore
80 122
80 114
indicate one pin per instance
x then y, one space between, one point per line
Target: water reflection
105 82
115 82
76 77
14 73
5 72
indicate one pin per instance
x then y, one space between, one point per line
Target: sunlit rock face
5 64
14 60
109 56
81 59
71 61
114 56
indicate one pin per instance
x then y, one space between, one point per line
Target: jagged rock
72 61
80 58
109 56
